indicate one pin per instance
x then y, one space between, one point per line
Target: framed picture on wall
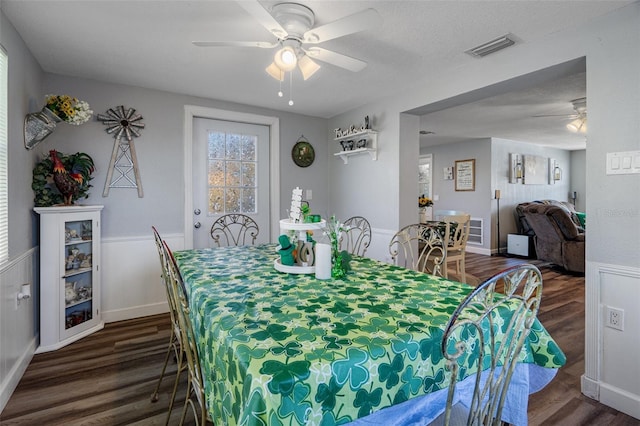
536 170
465 175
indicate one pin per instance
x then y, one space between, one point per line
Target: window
4 186
232 173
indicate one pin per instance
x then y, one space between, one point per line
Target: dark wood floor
108 377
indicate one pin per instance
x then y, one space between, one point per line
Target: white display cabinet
69 274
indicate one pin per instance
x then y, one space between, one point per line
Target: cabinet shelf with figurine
357 142
69 274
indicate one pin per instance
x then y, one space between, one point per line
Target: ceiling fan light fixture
579 125
274 71
286 58
307 66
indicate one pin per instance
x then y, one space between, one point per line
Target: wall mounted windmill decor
124 125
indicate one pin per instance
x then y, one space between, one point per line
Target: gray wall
17 323
492 172
579 178
477 203
160 153
515 193
610 45
25 83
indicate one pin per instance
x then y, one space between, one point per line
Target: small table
288 349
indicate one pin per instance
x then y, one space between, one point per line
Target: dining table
289 349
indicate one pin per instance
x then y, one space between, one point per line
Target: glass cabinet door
78 275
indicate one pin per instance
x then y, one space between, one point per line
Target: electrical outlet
614 318
309 195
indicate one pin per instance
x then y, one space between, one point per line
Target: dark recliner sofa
558 238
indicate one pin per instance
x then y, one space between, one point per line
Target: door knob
197 225
196 212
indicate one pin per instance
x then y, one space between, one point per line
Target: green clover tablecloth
286 349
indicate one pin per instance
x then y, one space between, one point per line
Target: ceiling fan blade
261 44
360 21
263 16
567 116
337 59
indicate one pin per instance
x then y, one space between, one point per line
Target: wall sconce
516 172
555 172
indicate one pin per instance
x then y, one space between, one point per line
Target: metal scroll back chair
420 247
357 238
195 382
174 339
508 301
457 235
234 229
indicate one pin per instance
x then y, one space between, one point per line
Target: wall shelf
371 147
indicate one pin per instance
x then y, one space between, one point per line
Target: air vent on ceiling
491 47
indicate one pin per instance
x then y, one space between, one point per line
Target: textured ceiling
147 43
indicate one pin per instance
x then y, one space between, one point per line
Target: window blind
4 183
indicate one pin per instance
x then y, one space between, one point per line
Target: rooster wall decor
123 123
62 179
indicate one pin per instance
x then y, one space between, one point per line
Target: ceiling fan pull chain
290 88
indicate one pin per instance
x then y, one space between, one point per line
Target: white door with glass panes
230 175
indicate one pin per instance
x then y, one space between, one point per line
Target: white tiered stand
301 228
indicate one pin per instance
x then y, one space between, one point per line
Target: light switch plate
623 163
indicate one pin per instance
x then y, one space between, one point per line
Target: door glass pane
234 145
232 200
78 278
216 173
216 200
216 145
249 147
232 173
248 174
249 200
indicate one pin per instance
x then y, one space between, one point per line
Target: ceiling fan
292 24
579 118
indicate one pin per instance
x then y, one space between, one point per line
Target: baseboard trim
621 400
478 250
12 379
135 312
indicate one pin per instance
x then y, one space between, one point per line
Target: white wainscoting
379 247
130 272
611 356
18 338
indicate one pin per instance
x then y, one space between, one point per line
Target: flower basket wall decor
61 179
58 108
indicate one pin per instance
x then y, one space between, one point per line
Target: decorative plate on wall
303 153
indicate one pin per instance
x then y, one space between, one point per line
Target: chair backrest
188 338
420 247
234 229
164 264
358 237
492 322
457 230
